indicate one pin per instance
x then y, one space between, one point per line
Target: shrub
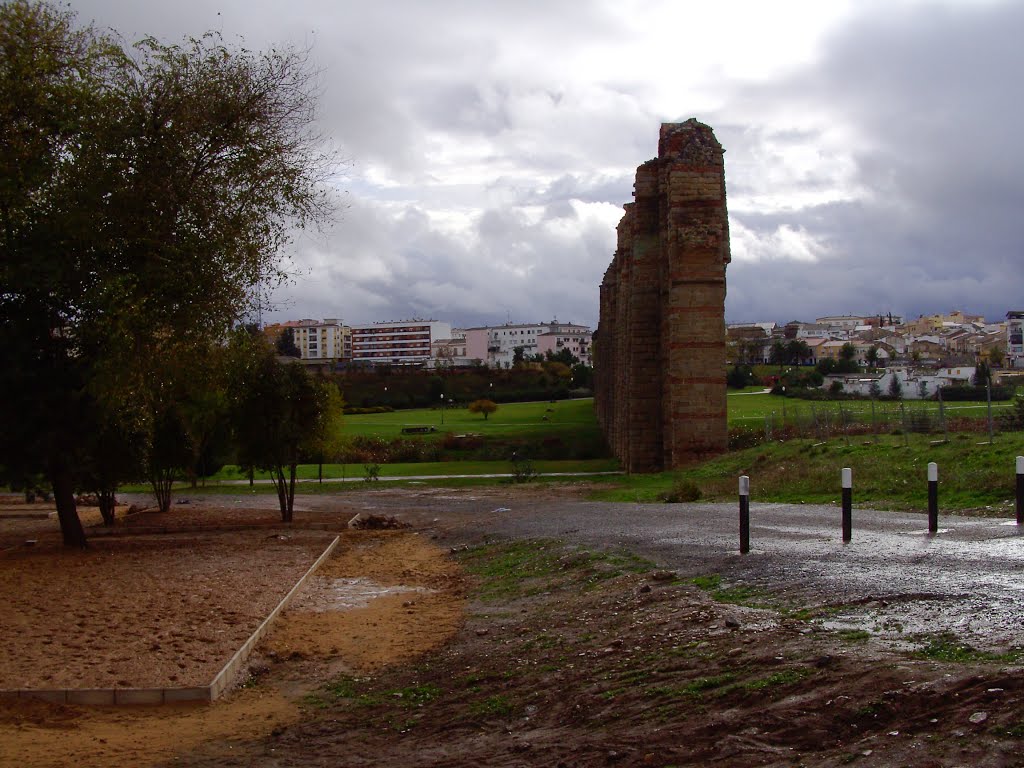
484 406
682 491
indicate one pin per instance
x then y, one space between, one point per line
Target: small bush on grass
682 491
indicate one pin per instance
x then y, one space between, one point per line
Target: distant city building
534 339
326 340
1015 339
405 342
578 343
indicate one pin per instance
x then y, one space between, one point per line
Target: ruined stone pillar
660 368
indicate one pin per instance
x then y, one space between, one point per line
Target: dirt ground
77 619
445 646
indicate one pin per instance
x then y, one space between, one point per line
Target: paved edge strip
211 692
227 675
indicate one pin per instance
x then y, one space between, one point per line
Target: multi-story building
578 342
405 342
327 340
1015 339
502 340
323 340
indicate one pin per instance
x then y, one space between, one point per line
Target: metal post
744 514
847 476
988 398
933 497
942 416
1020 490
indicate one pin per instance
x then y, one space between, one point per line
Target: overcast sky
874 150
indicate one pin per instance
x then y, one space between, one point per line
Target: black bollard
744 514
933 497
847 504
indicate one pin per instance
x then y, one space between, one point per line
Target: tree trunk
291 492
162 483
108 501
277 476
67 512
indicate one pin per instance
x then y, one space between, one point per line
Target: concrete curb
211 692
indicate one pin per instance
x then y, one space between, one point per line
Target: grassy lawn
889 471
752 409
511 420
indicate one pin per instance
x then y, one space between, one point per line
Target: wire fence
824 420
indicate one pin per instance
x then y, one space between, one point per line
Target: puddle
347 594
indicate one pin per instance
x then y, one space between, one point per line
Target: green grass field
889 471
750 408
511 420
574 417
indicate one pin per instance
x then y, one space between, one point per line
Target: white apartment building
402 342
1015 339
502 340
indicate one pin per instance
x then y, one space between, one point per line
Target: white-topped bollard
744 514
933 497
847 479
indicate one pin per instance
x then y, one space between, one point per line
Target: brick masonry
660 343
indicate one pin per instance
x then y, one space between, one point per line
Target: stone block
180 695
92 697
139 696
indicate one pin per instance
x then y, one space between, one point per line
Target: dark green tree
982 374
280 414
871 356
285 344
142 198
847 359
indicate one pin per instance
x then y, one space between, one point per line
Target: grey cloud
924 93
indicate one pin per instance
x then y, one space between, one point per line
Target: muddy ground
586 635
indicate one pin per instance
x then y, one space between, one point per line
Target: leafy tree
558 370
583 376
518 356
826 366
739 376
484 406
871 356
777 354
280 413
285 344
142 198
982 374
797 350
115 453
564 355
329 443
895 388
